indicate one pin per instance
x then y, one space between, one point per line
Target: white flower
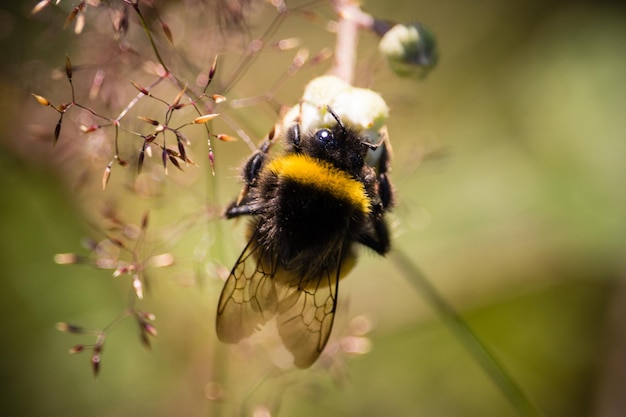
360 108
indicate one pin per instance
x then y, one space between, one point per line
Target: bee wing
306 314
248 299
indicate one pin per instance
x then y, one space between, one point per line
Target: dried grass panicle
139 53
122 251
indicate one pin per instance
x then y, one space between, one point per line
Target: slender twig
144 24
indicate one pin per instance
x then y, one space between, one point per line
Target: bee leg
253 166
385 190
250 173
382 165
377 237
294 133
293 137
235 210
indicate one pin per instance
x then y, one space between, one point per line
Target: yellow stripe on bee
322 175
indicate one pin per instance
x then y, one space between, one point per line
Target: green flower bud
410 50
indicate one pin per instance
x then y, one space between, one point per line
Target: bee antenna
336 117
383 138
372 146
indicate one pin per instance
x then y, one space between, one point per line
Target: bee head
338 144
326 134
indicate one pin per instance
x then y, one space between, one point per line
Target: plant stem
469 340
351 19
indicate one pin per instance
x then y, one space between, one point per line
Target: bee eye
324 135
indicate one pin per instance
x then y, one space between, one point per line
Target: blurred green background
508 168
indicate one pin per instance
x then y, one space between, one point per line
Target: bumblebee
310 206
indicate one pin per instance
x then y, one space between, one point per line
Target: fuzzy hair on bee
310 206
